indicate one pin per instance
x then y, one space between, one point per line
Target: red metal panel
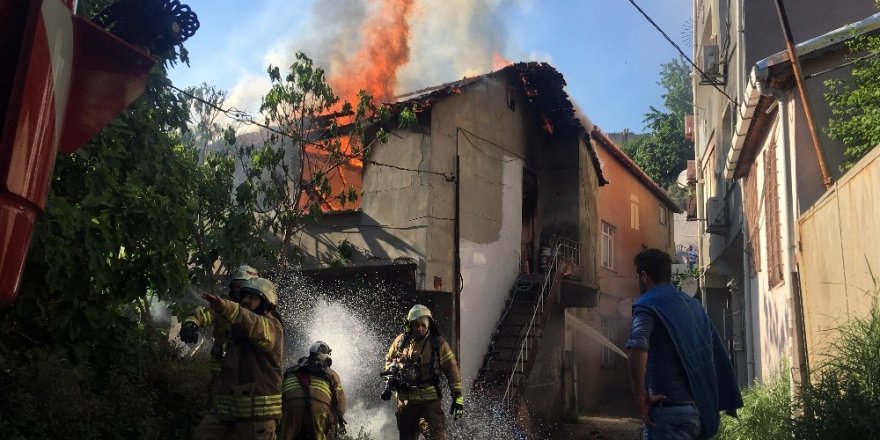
108 75
16 225
26 167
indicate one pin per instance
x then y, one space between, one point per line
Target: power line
675 45
245 118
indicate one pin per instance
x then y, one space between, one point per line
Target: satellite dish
690 286
682 179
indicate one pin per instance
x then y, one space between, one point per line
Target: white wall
489 271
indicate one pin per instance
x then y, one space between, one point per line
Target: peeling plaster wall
393 219
491 140
489 270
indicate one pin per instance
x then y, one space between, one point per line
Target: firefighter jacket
323 387
205 317
422 353
250 379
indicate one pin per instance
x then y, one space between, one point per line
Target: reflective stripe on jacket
250 378
423 351
319 389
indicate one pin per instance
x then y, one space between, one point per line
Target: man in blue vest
680 373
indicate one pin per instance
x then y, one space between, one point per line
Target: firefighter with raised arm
249 396
204 317
314 401
413 366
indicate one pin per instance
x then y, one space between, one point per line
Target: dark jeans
673 423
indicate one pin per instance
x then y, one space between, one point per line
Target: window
752 212
664 216
609 330
607 245
634 211
773 225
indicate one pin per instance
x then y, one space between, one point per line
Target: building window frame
772 217
634 211
664 215
607 242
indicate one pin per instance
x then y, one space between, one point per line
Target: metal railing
562 249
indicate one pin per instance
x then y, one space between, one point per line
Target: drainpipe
787 227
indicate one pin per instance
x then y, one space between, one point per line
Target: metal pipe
798 76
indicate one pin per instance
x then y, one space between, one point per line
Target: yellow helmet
243 273
418 311
263 287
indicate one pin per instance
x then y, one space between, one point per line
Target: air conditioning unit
716 216
712 72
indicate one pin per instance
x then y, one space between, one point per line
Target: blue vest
709 371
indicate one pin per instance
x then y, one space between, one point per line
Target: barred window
753 214
771 213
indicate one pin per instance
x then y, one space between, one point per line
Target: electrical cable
681 52
848 63
243 117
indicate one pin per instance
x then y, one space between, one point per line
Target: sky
608 53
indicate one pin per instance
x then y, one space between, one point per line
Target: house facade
756 168
497 169
634 214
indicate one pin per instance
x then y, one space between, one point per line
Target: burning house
487 209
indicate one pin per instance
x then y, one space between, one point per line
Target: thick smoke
390 47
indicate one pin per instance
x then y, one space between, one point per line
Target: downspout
787 228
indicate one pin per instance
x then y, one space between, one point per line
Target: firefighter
413 365
249 397
314 401
204 317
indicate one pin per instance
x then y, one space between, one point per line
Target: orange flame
385 49
498 61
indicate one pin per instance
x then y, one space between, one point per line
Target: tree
855 103
224 228
665 152
296 173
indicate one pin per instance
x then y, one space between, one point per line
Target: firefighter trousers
425 417
214 428
298 420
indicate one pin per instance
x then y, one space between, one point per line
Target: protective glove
189 333
457 407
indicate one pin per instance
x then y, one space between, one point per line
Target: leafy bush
149 394
766 413
843 400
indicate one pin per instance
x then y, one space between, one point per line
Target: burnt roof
543 85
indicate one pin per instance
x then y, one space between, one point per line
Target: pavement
600 428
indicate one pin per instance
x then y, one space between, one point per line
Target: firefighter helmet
418 311
320 351
262 287
243 273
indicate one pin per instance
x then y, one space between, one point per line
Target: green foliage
678 195
855 103
766 413
665 151
843 400
223 229
294 171
149 395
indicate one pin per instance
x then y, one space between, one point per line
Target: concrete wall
840 253
393 219
808 19
492 142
